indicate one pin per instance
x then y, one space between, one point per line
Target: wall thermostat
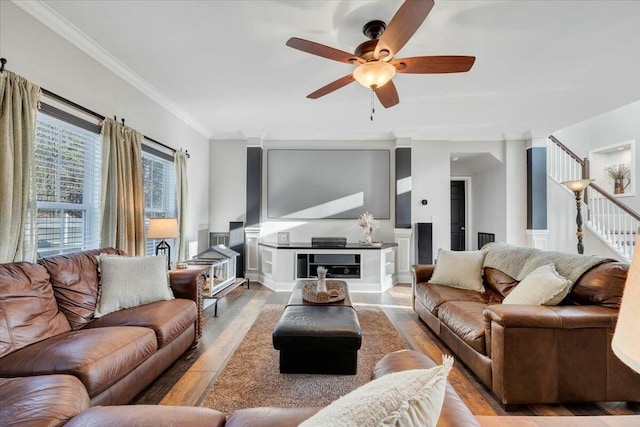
424 202
283 238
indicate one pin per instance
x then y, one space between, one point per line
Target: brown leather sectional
48 334
534 354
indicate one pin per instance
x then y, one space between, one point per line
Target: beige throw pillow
402 399
131 281
459 269
543 286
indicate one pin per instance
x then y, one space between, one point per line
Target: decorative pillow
131 281
406 398
543 286
459 269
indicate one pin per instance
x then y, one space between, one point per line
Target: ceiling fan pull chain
373 110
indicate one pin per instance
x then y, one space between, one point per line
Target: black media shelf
339 266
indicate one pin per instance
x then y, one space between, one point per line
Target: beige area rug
252 377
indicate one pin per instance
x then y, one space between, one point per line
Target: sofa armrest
419 273
546 354
557 317
422 272
189 283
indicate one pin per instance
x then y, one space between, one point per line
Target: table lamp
163 228
626 338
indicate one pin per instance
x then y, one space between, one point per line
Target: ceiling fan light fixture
374 74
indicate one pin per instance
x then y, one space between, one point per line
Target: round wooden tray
336 291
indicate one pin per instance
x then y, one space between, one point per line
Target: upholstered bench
318 338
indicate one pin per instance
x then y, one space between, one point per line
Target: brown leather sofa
454 412
48 334
534 354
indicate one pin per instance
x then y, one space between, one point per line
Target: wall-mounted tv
321 184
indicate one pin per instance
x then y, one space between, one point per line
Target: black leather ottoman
318 339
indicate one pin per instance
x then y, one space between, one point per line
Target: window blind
159 178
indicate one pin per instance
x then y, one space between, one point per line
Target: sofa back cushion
28 309
75 280
498 281
602 285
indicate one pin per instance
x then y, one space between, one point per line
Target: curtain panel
18 109
182 203
122 215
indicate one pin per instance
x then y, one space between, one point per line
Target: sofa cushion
466 320
75 281
42 400
131 281
168 319
498 281
459 269
432 296
602 285
402 399
28 309
148 415
97 357
543 286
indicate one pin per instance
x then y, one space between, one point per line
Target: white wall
431 177
40 55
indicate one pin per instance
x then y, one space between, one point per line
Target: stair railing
613 221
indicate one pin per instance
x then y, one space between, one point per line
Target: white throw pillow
543 286
403 399
131 281
459 269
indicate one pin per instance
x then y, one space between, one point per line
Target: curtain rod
98 116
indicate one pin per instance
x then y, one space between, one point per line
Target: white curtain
18 109
122 215
182 203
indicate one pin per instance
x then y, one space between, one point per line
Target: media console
366 268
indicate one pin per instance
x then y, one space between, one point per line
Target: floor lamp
578 187
163 228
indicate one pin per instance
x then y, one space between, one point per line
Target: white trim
57 23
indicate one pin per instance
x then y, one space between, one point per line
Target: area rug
252 377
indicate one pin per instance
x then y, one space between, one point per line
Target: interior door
458 216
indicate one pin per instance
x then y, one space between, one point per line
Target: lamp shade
626 338
374 74
162 228
578 184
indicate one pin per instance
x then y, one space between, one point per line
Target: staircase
606 217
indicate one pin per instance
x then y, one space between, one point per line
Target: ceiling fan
374 58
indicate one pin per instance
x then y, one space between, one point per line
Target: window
67 156
159 178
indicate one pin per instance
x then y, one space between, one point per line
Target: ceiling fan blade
402 26
341 82
322 50
434 64
388 95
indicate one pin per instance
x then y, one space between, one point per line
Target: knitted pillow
459 269
402 399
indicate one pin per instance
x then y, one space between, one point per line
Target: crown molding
65 29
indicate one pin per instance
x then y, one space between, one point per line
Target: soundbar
328 242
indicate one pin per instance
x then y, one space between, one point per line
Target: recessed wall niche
614 156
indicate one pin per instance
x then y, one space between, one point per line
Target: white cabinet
366 269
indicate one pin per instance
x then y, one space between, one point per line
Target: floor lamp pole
578 187
579 221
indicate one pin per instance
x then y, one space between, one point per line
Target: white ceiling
541 65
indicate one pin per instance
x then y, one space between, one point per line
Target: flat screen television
324 184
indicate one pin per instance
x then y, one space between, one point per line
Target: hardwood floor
186 382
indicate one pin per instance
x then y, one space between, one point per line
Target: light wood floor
186 382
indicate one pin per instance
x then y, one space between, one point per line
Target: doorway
458 216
